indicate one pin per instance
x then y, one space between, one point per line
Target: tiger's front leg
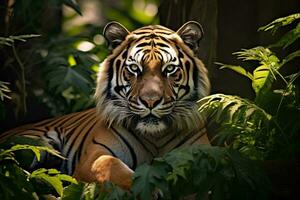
109 168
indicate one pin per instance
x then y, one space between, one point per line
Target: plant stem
23 80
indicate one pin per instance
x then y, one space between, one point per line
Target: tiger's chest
134 149
120 143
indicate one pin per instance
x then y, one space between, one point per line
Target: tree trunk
174 13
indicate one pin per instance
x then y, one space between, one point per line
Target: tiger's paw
109 168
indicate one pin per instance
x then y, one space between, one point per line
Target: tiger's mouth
150 125
150 119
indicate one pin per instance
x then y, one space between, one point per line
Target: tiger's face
152 79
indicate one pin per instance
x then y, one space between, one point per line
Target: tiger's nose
150 101
151 91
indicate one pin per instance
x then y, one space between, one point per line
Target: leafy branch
192 171
263 128
18 182
10 41
203 169
4 89
280 22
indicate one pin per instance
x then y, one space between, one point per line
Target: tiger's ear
191 33
115 34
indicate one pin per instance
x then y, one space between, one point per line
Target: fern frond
230 109
238 123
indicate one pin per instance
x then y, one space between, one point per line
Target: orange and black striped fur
145 105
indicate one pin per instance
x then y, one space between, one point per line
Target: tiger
145 106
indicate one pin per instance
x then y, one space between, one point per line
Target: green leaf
35 149
283 21
52 177
73 192
259 53
14 182
290 57
64 77
146 178
233 116
237 69
288 38
53 181
229 107
261 78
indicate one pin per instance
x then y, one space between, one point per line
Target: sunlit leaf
35 149
261 78
237 69
71 60
283 21
53 181
233 111
52 177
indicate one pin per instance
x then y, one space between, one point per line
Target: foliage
63 73
94 191
69 75
133 13
204 169
16 182
190 171
278 23
267 127
10 41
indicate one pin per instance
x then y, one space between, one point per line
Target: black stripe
106 147
143 44
78 153
142 32
260 77
77 124
77 134
141 142
133 154
187 137
198 137
166 40
168 141
84 138
163 33
60 132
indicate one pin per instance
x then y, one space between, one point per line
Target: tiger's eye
170 69
134 69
